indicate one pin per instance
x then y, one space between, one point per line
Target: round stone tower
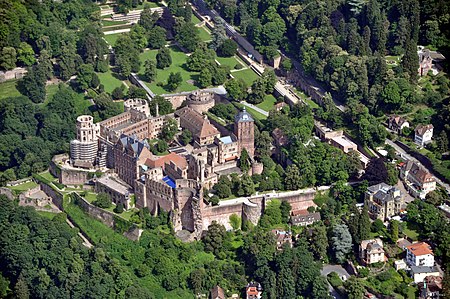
85 147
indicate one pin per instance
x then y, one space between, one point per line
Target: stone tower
244 129
84 148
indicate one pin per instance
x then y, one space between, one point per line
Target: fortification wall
73 176
300 201
220 214
57 197
105 217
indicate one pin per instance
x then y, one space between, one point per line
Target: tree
105 106
161 146
205 78
148 18
174 81
214 238
68 61
21 290
163 58
150 71
354 287
319 241
236 89
186 137
285 208
293 179
119 208
235 222
410 63
320 288
228 48
136 92
341 242
163 104
102 201
394 230
156 38
245 186
25 54
85 75
364 224
244 161
138 37
118 93
8 58
188 36
201 58
169 129
218 34
33 85
286 64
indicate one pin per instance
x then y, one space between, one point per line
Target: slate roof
133 143
419 173
243 116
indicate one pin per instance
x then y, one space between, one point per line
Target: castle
135 177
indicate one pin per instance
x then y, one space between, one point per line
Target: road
409 157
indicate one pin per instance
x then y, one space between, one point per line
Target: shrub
238 66
335 280
103 201
119 208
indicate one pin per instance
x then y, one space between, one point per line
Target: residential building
217 293
304 218
253 290
384 201
423 134
282 237
446 209
418 274
429 61
371 251
397 123
418 180
420 255
430 287
344 144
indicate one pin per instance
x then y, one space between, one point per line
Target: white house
419 255
423 134
418 180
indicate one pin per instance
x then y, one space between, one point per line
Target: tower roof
243 116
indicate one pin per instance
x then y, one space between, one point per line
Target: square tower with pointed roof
244 129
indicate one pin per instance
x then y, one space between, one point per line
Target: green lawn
178 60
82 104
109 81
195 20
311 103
48 215
8 89
228 61
205 35
24 186
47 175
267 104
112 38
248 75
252 111
411 233
112 23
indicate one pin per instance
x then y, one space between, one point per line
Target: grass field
8 89
111 38
178 61
109 81
24 186
267 104
47 175
48 215
195 20
112 23
247 75
252 111
205 35
228 61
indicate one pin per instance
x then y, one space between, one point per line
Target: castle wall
176 100
220 214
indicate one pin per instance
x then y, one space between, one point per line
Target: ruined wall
176 101
105 217
73 176
57 197
7 192
220 214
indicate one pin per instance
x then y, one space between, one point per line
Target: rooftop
243 116
420 248
115 184
344 141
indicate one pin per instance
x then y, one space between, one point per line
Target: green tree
156 38
246 186
320 288
103 201
228 48
164 106
169 129
293 179
215 238
163 58
205 78
394 230
25 54
364 224
186 137
285 208
188 36
354 287
201 58
235 222
33 85
174 81
218 34
410 63
150 71
148 18
244 161
319 241
341 242
8 58
118 93
85 75
236 89
68 62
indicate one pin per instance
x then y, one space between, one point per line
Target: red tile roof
420 248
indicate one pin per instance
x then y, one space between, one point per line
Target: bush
238 66
335 280
119 208
363 272
103 201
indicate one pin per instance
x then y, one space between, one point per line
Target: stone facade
244 129
384 201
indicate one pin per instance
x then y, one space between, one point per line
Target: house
400 265
419 254
304 218
384 201
282 237
430 288
217 293
418 274
418 180
253 290
397 123
429 60
446 209
423 134
371 251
